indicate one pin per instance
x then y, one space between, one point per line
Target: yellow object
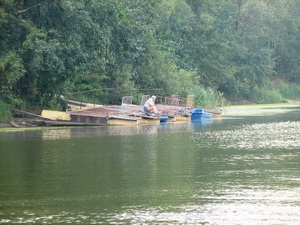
182 118
85 106
190 101
90 105
123 122
56 115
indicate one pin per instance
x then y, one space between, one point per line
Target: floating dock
126 114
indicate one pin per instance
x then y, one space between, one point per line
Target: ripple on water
234 206
232 212
263 135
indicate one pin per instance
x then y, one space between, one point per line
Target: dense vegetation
226 49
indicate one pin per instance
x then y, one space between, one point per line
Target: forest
220 51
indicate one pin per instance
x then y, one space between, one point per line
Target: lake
241 169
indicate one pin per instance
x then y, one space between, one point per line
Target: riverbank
4 125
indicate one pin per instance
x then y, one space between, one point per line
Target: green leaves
11 69
50 48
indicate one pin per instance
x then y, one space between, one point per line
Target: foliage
260 95
288 90
199 47
207 97
5 114
286 44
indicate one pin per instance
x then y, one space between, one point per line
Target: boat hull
200 114
163 119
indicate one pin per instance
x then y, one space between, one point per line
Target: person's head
153 97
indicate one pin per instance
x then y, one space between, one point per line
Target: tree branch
24 10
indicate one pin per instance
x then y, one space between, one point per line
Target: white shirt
149 102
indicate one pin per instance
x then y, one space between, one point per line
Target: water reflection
56 134
223 172
263 135
243 210
68 133
237 212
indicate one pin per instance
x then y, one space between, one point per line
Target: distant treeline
226 49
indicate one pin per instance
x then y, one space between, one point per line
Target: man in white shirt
149 106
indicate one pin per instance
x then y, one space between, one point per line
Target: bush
207 97
265 95
289 91
5 115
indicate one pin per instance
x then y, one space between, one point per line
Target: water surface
241 169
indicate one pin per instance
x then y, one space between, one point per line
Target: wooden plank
30 114
56 115
129 118
122 122
68 123
150 117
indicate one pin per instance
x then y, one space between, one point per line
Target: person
149 106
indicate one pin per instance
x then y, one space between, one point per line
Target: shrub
260 95
289 91
5 115
208 97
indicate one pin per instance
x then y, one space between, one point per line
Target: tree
286 42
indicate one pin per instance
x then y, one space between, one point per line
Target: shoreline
5 125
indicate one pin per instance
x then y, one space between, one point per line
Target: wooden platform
123 120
